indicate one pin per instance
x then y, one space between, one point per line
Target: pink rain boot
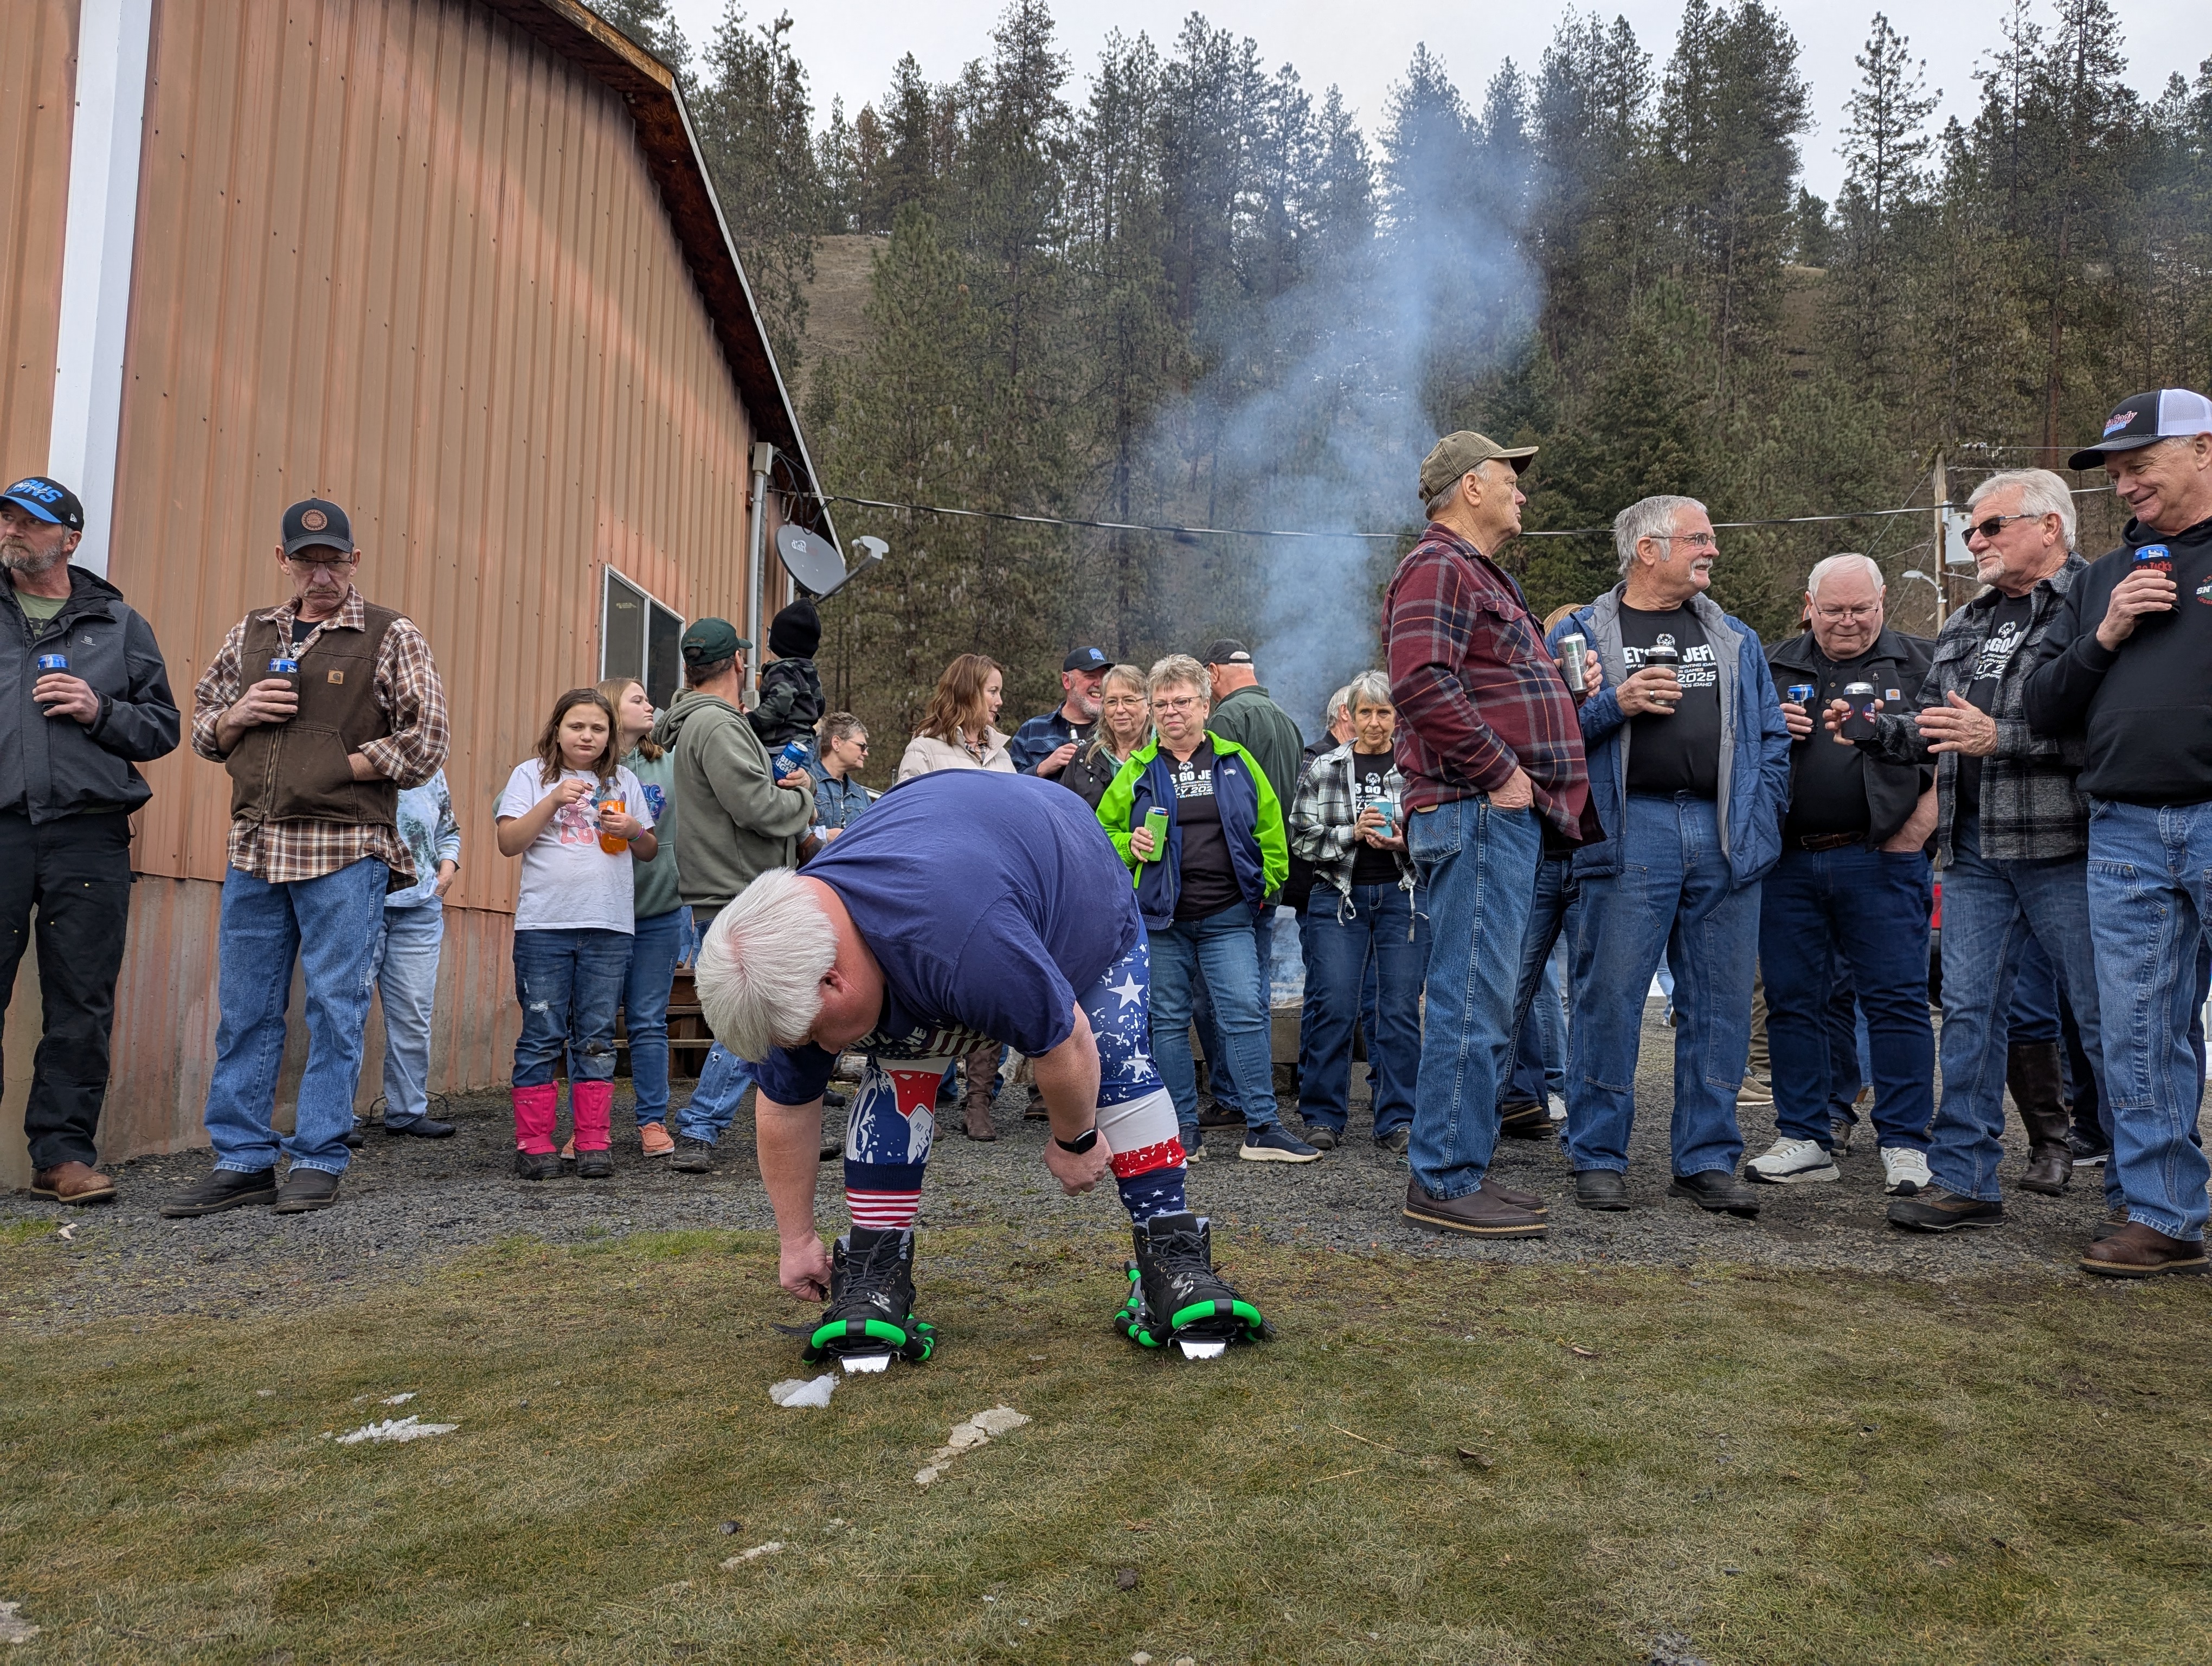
536 1109
591 1104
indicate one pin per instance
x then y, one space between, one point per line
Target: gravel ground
408 1203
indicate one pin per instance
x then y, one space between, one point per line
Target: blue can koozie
53 662
283 668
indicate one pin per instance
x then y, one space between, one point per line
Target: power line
1395 537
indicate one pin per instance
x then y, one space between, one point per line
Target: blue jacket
1251 823
1755 761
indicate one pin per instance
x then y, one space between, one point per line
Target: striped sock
883 1211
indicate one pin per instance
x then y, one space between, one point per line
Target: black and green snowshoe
1176 1296
870 1319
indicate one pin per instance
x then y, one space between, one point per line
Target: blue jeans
1550 1007
405 969
569 982
1479 865
1673 896
653 951
1867 910
1538 1037
1989 908
329 924
1220 1075
1384 932
2150 897
2034 1014
1217 949
723 1078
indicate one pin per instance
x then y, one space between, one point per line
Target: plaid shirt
1476 690
407 689
2031 811
1323 817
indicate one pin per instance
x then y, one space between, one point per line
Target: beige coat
925 756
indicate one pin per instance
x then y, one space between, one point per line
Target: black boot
1176 1296
2038 1090
871 1312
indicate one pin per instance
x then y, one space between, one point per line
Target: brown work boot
977 1115
2038 1090
73 1182
2114 1219
2137 1251
1482 1213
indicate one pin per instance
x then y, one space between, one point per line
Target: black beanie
796 632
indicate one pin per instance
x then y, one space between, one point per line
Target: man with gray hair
964 904
1689 766
2123 668
1852 885
2011 831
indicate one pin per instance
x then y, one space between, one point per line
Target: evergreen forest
1180 288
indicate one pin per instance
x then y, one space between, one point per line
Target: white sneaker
1788 1162
1904 1171
1557 1107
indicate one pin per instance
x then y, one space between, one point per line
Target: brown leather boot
73 1182
981 1065
2039 1089
2137 1251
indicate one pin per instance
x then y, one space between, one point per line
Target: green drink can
1155 823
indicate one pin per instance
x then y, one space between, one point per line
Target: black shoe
1395 1141
2114 1219
537 1164
421 1127
2088 1154
1716 1192
1035 1110
1321 1136
693 1156
595 1164
226 1189
306 1189
1175 1294
1525 1119
833 1100
353 1137
1938 1211
1212 1114
871 1309
1600 1188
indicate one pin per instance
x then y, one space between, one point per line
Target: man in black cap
92 703
320 711
1046 744
739 821
2123 667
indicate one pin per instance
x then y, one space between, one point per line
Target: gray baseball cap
1456 453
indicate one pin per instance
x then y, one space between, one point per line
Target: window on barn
638 637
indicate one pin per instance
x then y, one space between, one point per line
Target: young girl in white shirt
574 816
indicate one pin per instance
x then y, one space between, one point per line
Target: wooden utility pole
1940 485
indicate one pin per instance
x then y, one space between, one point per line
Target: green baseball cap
710 641
1457 453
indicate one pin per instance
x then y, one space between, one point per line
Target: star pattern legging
893 1118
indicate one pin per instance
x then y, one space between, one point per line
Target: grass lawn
1734 1467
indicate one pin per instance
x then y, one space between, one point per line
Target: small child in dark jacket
790 690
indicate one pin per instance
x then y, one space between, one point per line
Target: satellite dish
813 562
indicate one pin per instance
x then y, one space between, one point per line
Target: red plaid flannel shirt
1476 690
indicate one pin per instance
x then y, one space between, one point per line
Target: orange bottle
608 842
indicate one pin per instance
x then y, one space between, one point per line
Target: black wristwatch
1082 1142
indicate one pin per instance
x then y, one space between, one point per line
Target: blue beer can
53 662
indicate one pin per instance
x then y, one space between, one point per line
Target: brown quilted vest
297 771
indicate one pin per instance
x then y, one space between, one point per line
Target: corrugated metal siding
38 79
393 253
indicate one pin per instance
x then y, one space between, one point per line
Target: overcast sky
849 47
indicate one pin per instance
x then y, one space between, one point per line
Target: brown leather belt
1822 841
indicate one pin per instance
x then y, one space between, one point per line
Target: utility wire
1395 537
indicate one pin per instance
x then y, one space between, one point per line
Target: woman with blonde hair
1125 723
957 732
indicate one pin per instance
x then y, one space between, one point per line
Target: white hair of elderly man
761 965
1829 566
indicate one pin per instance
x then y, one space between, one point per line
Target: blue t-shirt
991 901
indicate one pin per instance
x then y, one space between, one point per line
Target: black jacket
1896 661
2146 711
54 767
790 703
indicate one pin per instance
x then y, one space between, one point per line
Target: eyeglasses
1989 528
302 564
1695 540
1837 614
1188 703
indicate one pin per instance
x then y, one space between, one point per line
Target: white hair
1370 688
760 966
2041 493
1442 500
1836 563
1648 517
1339 703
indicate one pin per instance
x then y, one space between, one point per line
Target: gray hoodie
738 823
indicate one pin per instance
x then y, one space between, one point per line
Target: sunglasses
1995 524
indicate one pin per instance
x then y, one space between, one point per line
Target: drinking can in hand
53 662
791 759
1388 809
1572 646
1155 823
1801 694
1858 723
287 669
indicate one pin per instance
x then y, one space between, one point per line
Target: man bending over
965 905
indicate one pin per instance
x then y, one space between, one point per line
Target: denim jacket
1251 823
1754 760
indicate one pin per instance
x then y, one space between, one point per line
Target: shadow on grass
1434 1463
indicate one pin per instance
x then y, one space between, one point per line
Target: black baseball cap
317 521
1085 659
49 500
2144 419
710 641
1226 651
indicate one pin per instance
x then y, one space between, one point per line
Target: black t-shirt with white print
1678 752
1208 882
1371 784
2007 630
